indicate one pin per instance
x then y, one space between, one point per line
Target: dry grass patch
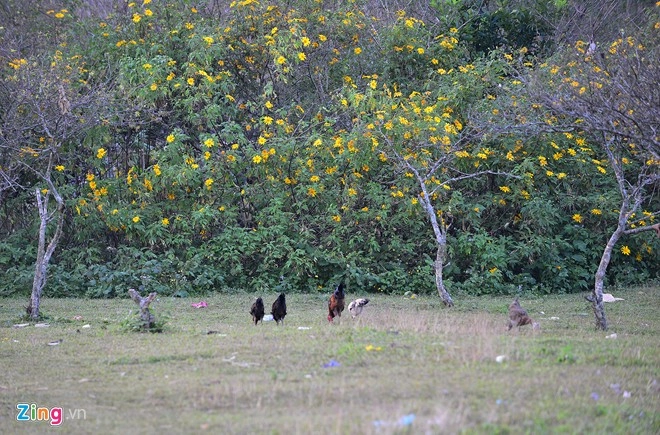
405 364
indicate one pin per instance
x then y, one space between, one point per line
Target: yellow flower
89 176
209 142
92 185
136 219
208 183
165 222
100 153
301 56
190 81
357 50
268 105
336 218
156 169
256 159
268 120
625 250
59 168
153 86
505 189
577 218
170 138
281 60
311 192
137 18
322 38
596 211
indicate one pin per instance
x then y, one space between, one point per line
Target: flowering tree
48 107
422 135
611 93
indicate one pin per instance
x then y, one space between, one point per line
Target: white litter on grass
21 325
41 325
554 318
500 358
612 336
268 318
607 297
86 326
304 328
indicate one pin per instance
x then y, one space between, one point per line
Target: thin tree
611 92
424 138
45 107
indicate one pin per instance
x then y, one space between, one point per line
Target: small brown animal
279 309
355 307
518 316
257 311
336 302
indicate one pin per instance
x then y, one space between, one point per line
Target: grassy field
405 366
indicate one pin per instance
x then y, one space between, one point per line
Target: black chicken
257 311
279 309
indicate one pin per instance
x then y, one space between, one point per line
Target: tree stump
146 316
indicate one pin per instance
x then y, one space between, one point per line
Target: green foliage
133 323
258 150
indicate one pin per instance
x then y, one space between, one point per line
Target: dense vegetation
204 146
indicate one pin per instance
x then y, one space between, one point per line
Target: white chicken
355 307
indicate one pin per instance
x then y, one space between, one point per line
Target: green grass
403 356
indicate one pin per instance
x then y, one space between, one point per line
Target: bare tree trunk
440 259
44 253
598 307
441 240
597 304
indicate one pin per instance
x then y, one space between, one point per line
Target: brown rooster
279 309
336 302
518 316
257 311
